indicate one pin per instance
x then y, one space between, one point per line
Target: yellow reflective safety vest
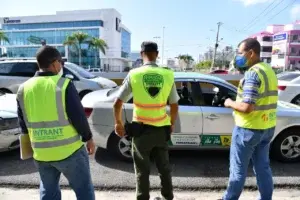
42 100
264 115
151 86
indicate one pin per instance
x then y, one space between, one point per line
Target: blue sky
190 24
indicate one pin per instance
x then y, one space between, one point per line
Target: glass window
215 94
5 68
23 69
288 76
82 72
267 39
266 49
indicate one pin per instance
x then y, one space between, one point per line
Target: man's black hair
46 55
251 43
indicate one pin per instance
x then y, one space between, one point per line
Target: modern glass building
26 33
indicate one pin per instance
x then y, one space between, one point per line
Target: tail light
88 112
281 87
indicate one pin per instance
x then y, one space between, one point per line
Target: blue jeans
246 145
75 168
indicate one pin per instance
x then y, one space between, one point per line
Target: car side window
24 69
6 68
215 94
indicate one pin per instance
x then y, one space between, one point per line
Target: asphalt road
191 170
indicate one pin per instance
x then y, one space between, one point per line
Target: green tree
76 40
3 37
204 64
97 44
188 59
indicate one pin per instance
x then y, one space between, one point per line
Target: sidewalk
32 194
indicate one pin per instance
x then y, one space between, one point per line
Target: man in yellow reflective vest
50 112
255 118
152 88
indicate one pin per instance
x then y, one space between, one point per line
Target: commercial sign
6 20
279 37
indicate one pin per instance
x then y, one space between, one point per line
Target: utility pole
216 45
162 46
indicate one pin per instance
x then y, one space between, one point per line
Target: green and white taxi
203 121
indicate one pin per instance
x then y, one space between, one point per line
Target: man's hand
90 147
228 102
172 128
119 129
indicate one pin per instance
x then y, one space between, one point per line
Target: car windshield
82 72
110 92
288 76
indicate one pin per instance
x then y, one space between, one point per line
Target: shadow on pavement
201 163
11 164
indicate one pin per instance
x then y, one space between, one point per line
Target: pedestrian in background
152 87
255 119
51 113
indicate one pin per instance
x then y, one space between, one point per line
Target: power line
253 20
282 10
256 21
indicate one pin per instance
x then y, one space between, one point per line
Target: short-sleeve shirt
126 90
251 84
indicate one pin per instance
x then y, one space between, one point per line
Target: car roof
193 75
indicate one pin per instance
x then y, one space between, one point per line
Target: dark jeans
152 142
75 168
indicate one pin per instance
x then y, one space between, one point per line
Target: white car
289 87
203 121
14 72
9 126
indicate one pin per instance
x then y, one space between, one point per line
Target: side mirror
216 89
69 76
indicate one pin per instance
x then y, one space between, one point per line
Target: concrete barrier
118 77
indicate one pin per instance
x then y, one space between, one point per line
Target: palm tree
97 44
70 42
3 37
76 40
188 59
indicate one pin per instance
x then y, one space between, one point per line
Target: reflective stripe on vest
61 122
267 92
149 106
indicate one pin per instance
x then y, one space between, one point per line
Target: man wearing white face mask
50 112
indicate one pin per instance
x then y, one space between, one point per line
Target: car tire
117 144
83 93
283 146
296 100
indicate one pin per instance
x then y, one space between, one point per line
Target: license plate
13 131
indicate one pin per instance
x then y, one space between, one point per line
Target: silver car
9 127
14 72
203 121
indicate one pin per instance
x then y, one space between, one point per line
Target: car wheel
286 146
83 93
120 147
296 100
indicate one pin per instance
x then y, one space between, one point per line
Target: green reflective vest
42 100
264 115
151 87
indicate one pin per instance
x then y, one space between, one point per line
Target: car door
218 120
188 127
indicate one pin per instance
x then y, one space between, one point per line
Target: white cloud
253 2
295 12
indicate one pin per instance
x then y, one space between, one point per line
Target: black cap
149 47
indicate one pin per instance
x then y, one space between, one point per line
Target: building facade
26 34
286 47
265 39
